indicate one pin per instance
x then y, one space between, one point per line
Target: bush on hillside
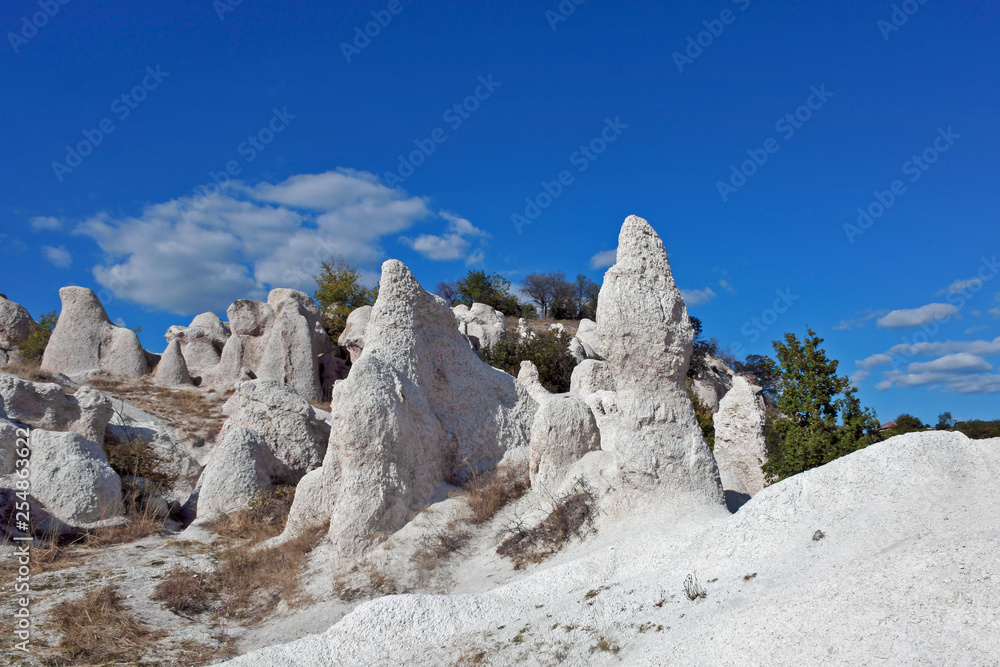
549 352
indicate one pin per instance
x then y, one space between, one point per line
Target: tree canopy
339 291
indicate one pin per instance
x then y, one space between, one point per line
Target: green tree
978 429
764 371
585 294
945 422
906 423
819 415
490 289
31 349
338 292
701 349
549 352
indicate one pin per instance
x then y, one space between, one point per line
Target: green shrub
549 352
32 348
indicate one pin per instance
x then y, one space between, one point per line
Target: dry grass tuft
488 492
30 372
99 629
570 517
440 544
263 519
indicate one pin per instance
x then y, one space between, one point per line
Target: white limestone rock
45 405
564 430
589 376
527 377
417 407
172 370
711 384
740 448
647 339
483 325
587 333
15 326
84 340
353 335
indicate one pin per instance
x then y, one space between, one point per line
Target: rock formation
418 408
44 405
740 449
84 340
172 369
275 437
527 377
200 343
587 333
647 338
353 335
589 376
15 325
564 430
524 332
712 382
482 325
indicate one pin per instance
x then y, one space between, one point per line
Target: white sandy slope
908 572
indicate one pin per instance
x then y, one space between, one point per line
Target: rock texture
740 449
71 478
282 340
172 370
587 333
44 405
15 325
524 332
590 376
275 437
527 377
417 408
200 343
353 335
84 340
564 430
643 326
481 324
712 383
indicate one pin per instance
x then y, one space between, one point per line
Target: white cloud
963 362
915 317
696 297
58 256
604 259
45 222
982 348
961 383
194 254
962 285
981 327
874 361
453 245
724 284
860 320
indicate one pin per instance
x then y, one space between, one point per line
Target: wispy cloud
59 257
604 259
45 223
859 320
915 317
453 245
697 297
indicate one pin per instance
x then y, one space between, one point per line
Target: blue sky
178 156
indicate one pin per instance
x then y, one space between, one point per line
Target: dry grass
263 519
571 516
488 492
440 544
246 583
100 629
195 412
31 372
363 581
